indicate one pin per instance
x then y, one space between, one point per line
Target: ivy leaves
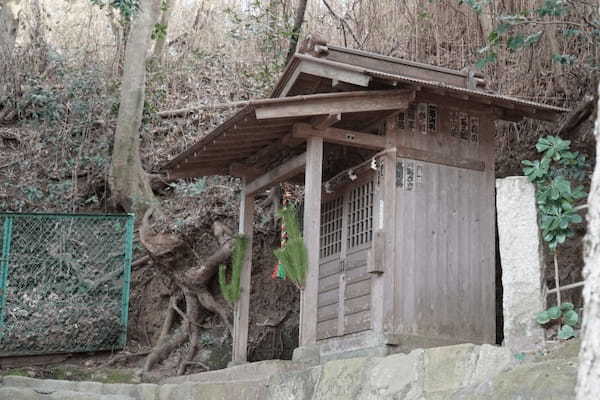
555 195
565 315
127 8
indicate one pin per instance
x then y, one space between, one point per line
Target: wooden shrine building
397 160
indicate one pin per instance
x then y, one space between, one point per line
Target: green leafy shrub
231 290
564 315
294 255
553 176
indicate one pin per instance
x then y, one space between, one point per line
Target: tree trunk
588 380
129 183
159 46
10 11
298 20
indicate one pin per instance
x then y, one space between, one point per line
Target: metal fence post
6 239
128 250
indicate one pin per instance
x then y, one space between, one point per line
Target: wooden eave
261 129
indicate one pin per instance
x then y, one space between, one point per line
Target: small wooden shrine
397 160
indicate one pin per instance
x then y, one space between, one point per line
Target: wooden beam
269 150
331 103
325 121
312 227
277 175
195 172
241 315
340 136
238 146
327 71
251 140
438 158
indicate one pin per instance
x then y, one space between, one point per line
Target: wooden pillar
312 226
390 308
242 307
383 296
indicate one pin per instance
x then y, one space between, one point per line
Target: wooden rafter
325 121
277 175
194 172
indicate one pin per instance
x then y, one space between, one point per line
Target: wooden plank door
359 238
330 266
344 282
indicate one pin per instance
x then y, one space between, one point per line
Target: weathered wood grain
241 315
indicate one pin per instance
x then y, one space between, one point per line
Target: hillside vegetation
59 102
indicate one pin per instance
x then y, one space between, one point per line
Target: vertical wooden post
312 226
383 296
389 229
242 307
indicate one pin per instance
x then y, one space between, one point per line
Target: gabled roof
377 70
363 88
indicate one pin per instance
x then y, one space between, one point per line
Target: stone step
20 393
257 371
17 388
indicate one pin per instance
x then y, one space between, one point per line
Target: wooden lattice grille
331 227
360 215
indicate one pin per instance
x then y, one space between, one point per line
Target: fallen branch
182 112
579 115
124 357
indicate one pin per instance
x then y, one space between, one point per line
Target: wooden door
344 282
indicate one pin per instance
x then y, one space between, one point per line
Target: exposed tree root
208 301
191 305
191 284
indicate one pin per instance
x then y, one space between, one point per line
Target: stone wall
453 372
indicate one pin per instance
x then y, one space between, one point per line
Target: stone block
399 376
490 361
293 385
449 368
341 379
307 355
181 391
68 395
258 371
522 263
12 393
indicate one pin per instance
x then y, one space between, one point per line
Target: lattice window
360 215
331 227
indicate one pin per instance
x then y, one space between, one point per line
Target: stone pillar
522 263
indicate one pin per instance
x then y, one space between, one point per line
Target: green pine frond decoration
231 290
294 256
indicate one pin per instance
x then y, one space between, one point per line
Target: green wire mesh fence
64 282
